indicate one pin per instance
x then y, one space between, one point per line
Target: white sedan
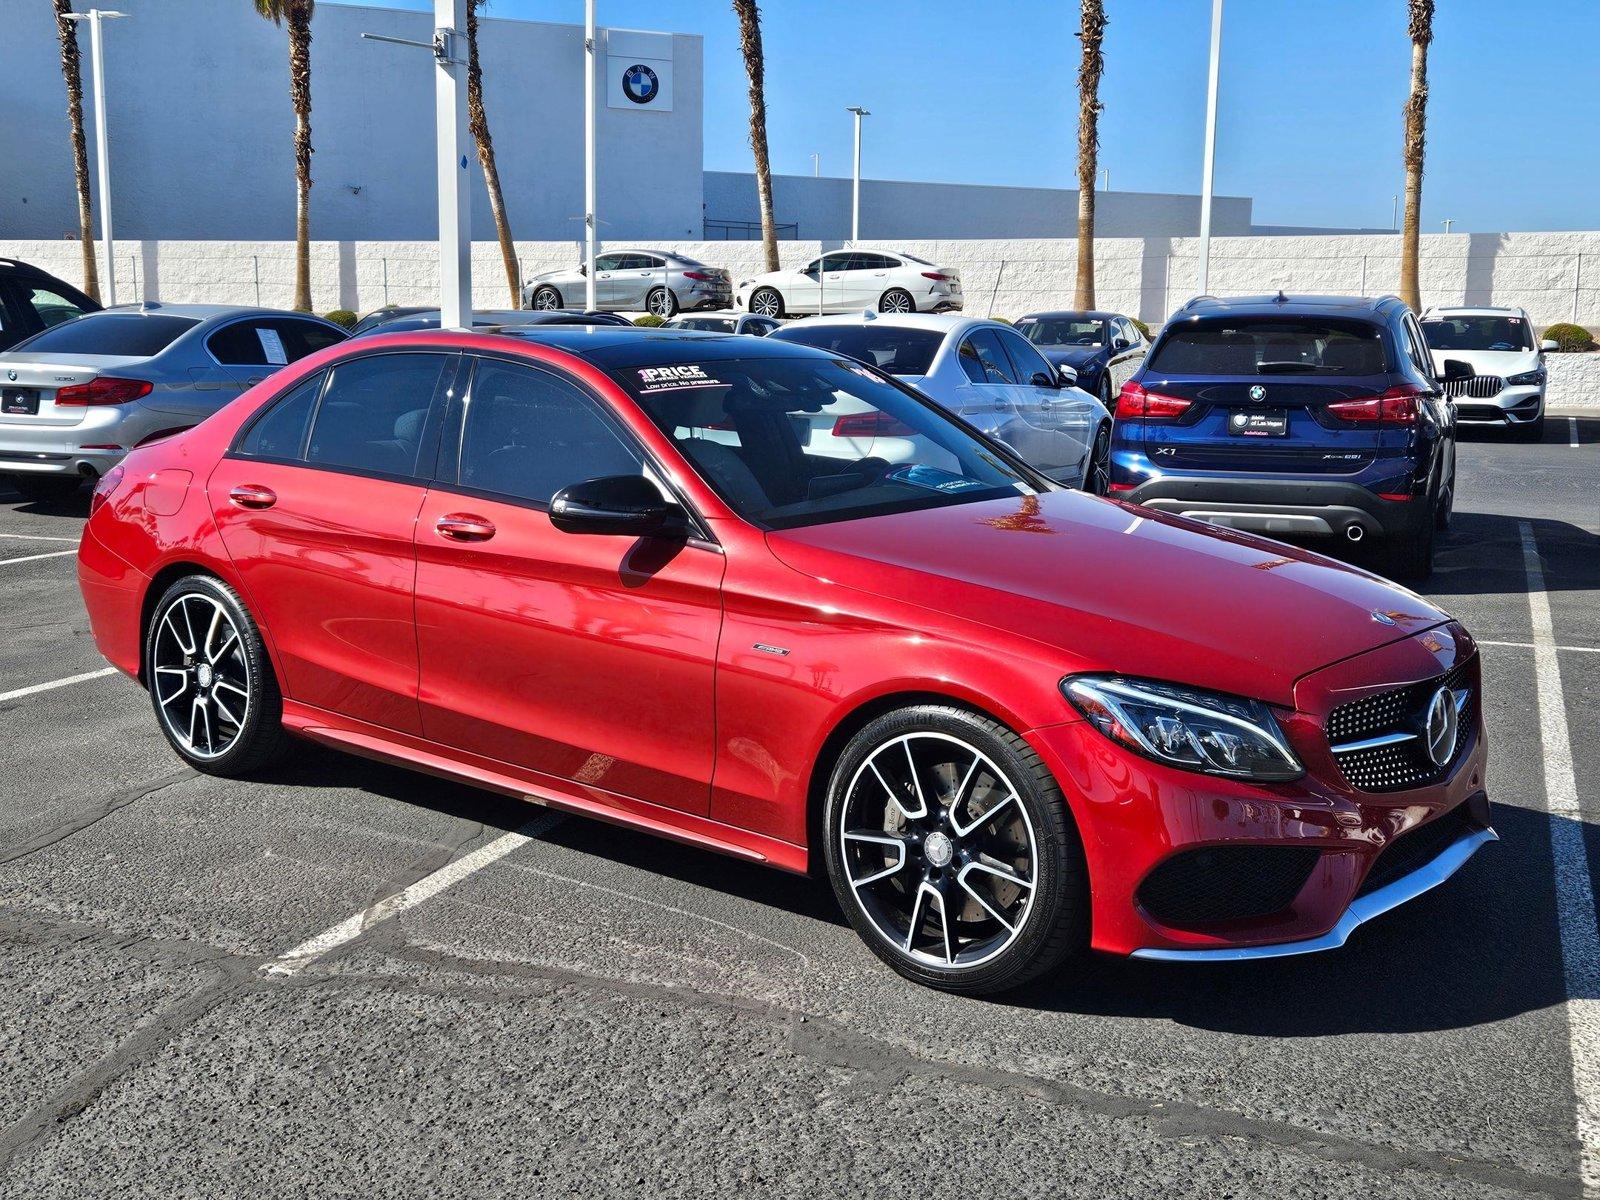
983 371
851 280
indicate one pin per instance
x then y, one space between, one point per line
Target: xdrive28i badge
639 84
1257 392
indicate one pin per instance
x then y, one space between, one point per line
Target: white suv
1508 387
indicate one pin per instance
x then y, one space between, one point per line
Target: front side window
1478 333
1062 331
374 411
609 262
124 334
527 434
788 442
996 367
269 343
281 431
1271 346
1029 362
897 351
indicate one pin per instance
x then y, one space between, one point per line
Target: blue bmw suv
1305 416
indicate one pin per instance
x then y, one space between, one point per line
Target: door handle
255 379
464 527
253 495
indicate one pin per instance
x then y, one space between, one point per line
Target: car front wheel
951 851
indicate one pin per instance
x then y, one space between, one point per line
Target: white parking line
427 887
1575 907
56 683
1563 649
6 562
38 537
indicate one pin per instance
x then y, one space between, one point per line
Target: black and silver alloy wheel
896 300
766 302
1097 479
210 680
951 851
546 299
662 303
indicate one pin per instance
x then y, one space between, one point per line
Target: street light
855 195
102 149
1211 147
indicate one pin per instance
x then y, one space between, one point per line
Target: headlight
1185 727
1526 378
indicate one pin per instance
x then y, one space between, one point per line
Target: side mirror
1066 376
626 505
583 268
1120 343
1548 345
1455 370
1040 379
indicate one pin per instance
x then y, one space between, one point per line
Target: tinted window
704 324
1062 331
51 307
1273 345
136 335
897 351
608 262
1478 333
528 434
281 431
373 412
874 262
996 366
271 343
838 262
1028 361
797 441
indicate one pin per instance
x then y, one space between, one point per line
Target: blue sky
1309 120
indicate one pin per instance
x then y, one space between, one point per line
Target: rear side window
274 342
373 413
281 431
1271 346
136 335
897 351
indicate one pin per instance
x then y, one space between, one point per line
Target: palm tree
478 122
297 14
755 66
1091 32
1420 28
67 31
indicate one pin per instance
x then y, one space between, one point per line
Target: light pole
816 166
590 220
1211 147
1447 223
855 194
1106 186
1394 214
102 148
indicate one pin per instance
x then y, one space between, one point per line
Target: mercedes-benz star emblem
639 84
1440 730
1257 392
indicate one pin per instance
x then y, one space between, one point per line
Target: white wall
202 128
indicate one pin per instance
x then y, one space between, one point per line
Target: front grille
1400 765
1480 412
1416 848
1226 883
1479 387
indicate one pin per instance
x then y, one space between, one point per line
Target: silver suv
635 281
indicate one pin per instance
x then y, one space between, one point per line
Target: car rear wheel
546 299
766 302
896 300
46 488
211 682
951 851
662 302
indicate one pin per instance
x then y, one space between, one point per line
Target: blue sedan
1104 348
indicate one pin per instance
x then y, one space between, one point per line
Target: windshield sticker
272 346
934 479
676 379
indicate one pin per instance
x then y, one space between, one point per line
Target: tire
767 302
1411 560
46 489
1014 921
896 300
1533 431
662 302
1106 398
232 723
545 299
1097 475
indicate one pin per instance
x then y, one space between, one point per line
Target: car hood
547 276
1491 362
1072 356
1119 588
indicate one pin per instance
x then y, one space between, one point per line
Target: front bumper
1513 406
1135 816
1283 507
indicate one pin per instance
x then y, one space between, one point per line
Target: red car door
317 507
585 658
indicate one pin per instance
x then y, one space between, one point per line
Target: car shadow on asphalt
1482 555
1558 430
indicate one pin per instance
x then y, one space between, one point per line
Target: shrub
1141 327
1002 320
342 316
649 321
1571 338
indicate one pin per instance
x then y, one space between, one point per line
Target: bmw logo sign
639 84
11 375
1257 392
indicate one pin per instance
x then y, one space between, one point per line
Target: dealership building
202 140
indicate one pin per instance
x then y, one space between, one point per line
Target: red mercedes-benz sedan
758 599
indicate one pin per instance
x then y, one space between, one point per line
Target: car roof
942 323
1368 307
612 346
1085 314
204 312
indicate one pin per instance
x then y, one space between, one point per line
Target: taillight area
1397 406
939 276
871 425
1135 401
103 488
107 389
698 276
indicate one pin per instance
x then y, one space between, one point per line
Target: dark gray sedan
635 281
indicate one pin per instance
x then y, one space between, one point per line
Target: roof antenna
1281 298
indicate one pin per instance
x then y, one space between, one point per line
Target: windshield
897 351
1270 346
1478 333
788 442
130 335
704 324
1062 331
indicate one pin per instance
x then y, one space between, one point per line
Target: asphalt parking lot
350 980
